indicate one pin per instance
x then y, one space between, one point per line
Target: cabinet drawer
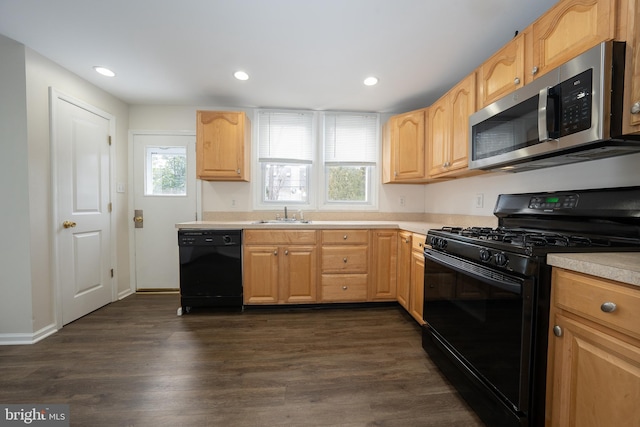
344 287
344 259
345 237
585 295
282 237
418 242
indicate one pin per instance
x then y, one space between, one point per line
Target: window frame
318 198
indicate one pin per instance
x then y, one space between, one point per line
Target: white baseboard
125 294
22 339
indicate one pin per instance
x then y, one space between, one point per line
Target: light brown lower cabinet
280 267
384 265
416 298
410 275
593 374
344 265
404 269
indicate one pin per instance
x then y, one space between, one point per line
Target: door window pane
165 171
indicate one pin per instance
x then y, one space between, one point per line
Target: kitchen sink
282 221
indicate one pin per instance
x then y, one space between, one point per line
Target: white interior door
81 154
164 180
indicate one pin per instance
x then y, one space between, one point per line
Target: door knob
138 218
68 224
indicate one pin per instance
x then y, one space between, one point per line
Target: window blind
285 136
350 138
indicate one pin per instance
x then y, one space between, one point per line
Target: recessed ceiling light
104 71
371 81
241 75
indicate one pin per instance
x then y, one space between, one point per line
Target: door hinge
110 206
109 139
112 272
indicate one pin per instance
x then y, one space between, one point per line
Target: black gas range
487 292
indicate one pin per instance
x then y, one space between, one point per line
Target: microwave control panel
575 103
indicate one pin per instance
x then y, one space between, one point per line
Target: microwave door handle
543 130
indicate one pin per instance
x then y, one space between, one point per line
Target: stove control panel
560 201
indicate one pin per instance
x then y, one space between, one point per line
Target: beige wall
459 195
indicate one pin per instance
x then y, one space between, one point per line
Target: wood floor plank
135 363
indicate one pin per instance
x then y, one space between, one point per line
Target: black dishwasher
210 268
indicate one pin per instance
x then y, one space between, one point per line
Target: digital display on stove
564 201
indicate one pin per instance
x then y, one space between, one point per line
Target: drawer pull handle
608 307
344 259
344 288
557 331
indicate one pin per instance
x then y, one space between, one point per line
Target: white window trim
318 194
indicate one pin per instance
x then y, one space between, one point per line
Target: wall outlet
479 200
402 200
233 204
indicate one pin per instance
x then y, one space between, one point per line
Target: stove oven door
478 330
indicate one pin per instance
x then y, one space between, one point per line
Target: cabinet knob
238 171
344 288
534 71
406 240
557 331
395 173
345 237
635 108
275 253
516 81
344 259
286 252
608 307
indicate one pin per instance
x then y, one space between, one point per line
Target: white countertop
620 266
414 227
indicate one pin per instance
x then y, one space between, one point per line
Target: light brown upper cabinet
403 148
223 143
448 141
502 73
568 29
629 31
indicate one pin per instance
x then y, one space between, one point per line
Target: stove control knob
501 259
485 255
438 242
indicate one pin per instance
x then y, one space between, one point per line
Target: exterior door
164 182
81 162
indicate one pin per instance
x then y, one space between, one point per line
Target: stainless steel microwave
571 114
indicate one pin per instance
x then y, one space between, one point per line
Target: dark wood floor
135 363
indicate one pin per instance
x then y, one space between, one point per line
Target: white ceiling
311 54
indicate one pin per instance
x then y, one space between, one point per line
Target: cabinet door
502 73
416 299
595 378
408 146
438 142
463 104
221 145
631 116
568 29
260 274
404 268
384 265
298 274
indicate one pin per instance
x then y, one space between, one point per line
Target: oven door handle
479 272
